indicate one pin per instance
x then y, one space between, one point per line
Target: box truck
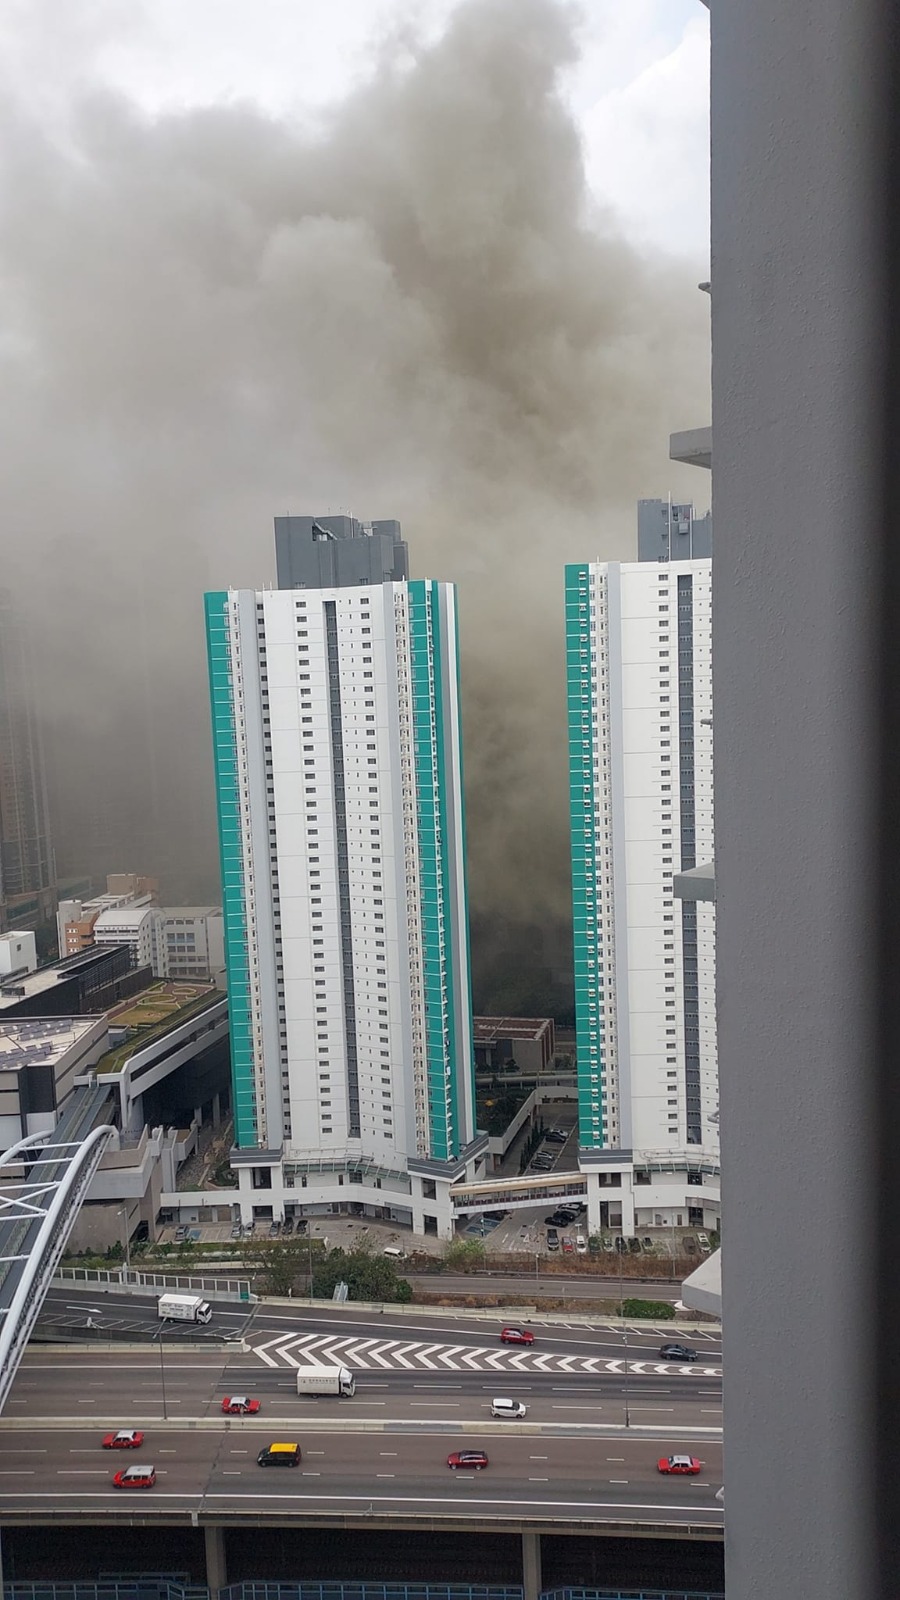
184 1308
325 1380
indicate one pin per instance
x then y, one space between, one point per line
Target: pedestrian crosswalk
419 1355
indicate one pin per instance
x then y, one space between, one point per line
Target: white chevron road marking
295 1350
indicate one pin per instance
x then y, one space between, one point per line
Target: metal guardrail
158 1587
124 1589
371 1591
128 1278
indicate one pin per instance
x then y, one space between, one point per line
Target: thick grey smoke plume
209 318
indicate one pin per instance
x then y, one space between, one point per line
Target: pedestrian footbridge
43 1180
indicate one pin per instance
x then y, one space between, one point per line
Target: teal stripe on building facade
588 1012
434 874
231 857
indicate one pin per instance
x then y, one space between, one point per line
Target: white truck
184 1308
325 1380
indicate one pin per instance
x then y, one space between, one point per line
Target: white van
394 1254
511 1409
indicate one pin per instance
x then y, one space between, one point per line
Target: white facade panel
346 881
641 631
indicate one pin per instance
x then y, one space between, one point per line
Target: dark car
556 1136
496 1216
552 1239
287 1226
475 1460
279 1455
634 1246
621 1246
677 1352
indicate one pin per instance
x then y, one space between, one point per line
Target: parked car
181 1234
552 1239
274 1229
516 1336
621 1246
474 1460
496 1216
236 1230
634 1246
703 1241
556 1136
677 1352
581 1244
287 1226
125 1439
686 1465
595 1245
568 1247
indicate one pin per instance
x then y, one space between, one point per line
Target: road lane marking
389 1452
539 1458
24 1472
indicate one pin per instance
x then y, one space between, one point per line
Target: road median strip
345 1425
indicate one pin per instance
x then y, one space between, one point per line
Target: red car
568 1246
475 1460
688 1465
516 1336
239 1405
135 1478
125 1439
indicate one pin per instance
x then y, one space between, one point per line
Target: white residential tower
335 706
641 799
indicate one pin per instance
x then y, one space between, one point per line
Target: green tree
367 1276
464 1255
280 1264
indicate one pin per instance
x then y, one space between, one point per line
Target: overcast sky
640 92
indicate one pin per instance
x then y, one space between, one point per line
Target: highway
424 1387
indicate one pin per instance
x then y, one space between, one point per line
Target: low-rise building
18 952
192 942
41 1059
528 1041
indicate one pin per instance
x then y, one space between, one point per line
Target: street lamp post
162 1372
624 1334
123 1211
625 1339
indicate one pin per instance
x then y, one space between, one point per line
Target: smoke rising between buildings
211 317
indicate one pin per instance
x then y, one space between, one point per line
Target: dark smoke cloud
210 317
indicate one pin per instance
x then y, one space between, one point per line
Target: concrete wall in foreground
795 429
